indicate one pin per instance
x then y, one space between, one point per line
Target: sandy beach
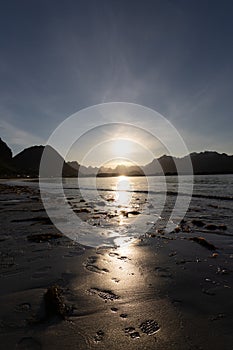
163 291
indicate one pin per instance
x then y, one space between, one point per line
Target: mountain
83 170
6 166
27 163
207 162
212 163
132 170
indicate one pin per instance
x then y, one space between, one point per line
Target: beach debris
44 237
213 227
149 327
127 213
198 223
202 241
123 315
134 212
82 210
214 255
104 294
54 303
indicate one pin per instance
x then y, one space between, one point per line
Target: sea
116 210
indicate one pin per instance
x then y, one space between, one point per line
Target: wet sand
164 291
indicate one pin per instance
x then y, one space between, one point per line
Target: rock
82 210
214 227
202 241
134 212
198 223
43 237
211 227
54 303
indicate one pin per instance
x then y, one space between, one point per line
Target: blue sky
175 56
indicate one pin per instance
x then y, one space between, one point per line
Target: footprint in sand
163 272
149 327
90 265
116 280
112 254
103 294
99 336
132 333
114 309
123 258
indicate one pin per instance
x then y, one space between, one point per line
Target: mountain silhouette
6 166
27 164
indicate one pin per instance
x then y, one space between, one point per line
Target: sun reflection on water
123 191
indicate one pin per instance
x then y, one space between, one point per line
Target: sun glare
122 148
123 194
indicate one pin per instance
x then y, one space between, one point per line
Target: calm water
97 211
111 210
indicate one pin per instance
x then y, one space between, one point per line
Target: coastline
164 291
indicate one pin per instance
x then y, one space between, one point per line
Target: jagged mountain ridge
27 163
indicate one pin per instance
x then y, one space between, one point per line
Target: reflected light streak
123 188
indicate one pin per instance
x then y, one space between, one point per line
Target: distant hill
83 171
27 163
207 162
121 170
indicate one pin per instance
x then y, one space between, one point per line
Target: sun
122 148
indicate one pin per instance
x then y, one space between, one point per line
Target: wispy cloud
16 137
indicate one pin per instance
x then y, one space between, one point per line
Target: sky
174 56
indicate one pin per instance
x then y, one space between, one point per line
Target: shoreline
161 292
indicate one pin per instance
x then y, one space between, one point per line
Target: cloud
18 138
